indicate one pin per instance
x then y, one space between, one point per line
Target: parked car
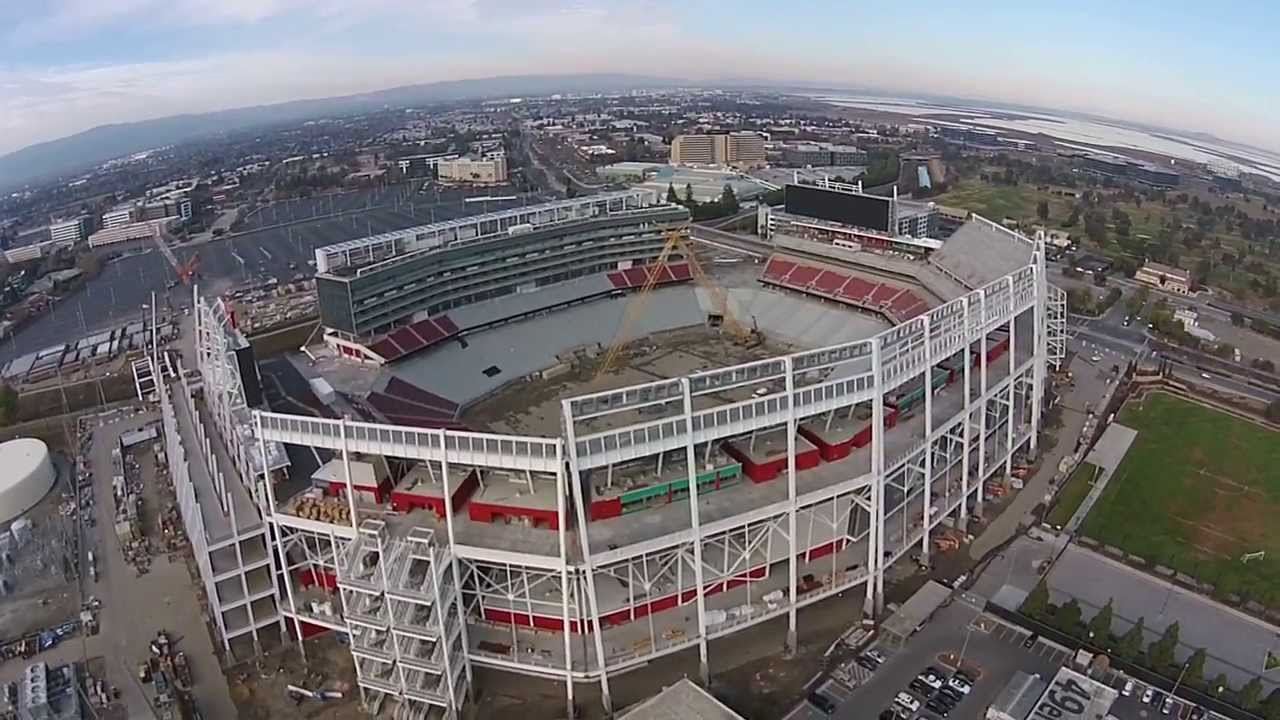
905 700
960 685
1127 690
1148 695
931 677
1197 713
951 694
938 707
1166 706
876 655
1030 641
822 702
866 663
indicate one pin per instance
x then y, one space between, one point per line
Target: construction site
564 441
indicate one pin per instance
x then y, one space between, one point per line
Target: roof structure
915 612
980 251
1018 696
682 701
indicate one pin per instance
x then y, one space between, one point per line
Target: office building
696 150
1164 277
822 155
68 232
742 149
490 171
122 215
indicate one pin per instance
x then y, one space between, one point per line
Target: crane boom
719 300
636 307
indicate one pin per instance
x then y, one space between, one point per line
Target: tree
1037 603
1272 412
1131 642
1067 619
1100 625
728 200
672 197
1195 668
1219 685
1250 694
1271 708
688 194
1160 652
8 405
1042 210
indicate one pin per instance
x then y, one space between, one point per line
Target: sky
69 65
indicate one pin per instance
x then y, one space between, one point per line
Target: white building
67 232
147 230
492 171
122 215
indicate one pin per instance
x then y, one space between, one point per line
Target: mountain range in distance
77 153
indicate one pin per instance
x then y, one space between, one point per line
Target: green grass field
1197 490
1071 495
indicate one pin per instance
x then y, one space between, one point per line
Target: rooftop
980 251
682 701
1170 271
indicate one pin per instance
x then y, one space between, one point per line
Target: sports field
1197 490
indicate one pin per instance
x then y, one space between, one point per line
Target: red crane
187 271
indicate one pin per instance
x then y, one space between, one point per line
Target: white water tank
26 475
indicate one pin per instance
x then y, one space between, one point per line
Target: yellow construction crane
676 242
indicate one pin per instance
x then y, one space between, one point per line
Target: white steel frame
870 520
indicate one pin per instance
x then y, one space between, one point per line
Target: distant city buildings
122 215
1169 279
803 154
69 232
172 200
145 230
488 171
742 149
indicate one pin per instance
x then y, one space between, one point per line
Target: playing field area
1197 490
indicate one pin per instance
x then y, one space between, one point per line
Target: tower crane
678 244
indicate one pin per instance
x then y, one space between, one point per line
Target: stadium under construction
547 428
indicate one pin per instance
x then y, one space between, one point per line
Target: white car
876 655
960 685
930 679
1127 690
1147 695
1166 706
907 702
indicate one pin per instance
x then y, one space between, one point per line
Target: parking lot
990 648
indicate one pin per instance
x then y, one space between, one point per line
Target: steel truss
593 608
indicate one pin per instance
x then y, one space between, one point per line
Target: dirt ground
260 688
533 407
42 593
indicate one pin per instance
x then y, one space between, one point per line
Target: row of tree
1159 655
727 204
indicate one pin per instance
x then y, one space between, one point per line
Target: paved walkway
1090 390
1107 455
